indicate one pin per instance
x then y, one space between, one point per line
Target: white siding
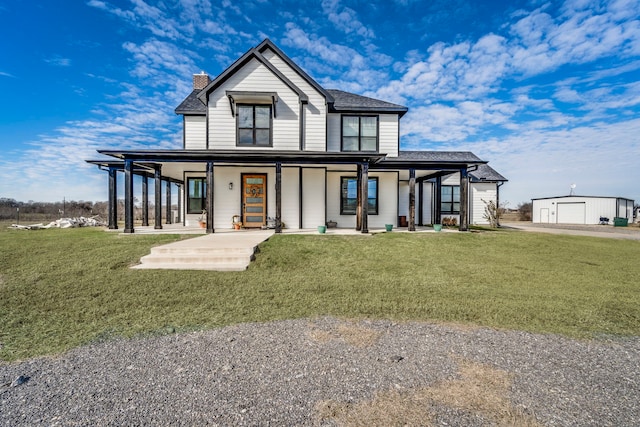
315 110
254 77
388 134
195 132
480 191
313 202
333 132
428 203
291 197
387 200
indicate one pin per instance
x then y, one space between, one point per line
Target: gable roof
486 173
268 44
241 62
350 102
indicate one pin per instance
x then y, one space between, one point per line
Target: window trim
377 196
452 200
203 182
360 116
253 108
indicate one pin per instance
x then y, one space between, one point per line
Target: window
359 133
196 195
349 196
254 125
450 199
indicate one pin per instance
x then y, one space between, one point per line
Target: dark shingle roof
191 105
438 156
350 102
486 173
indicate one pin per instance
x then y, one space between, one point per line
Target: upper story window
359 133
450 199
254 125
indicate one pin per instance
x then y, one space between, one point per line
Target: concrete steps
218 252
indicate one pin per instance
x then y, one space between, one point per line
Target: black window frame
359 117
203 199
254 128
372 210
450 201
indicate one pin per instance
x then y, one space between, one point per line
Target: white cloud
58 61
345 19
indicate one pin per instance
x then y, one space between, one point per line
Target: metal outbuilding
580 209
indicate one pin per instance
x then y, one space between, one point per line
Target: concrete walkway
631 232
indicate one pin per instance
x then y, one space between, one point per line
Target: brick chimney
200 81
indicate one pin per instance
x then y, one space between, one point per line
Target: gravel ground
329 371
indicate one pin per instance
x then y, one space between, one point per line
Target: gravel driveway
329 371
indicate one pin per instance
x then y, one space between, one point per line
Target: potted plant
235 221
202 219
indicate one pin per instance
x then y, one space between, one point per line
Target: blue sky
547 92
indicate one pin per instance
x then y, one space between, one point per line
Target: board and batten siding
480 193
195 132
290 197
254 76
313 197
315 111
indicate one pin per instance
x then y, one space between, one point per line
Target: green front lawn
63 288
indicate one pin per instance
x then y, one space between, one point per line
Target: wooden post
464 199
365 198
412 199
158 197
145 200
278 197
113 199
168 219
128 196
209 200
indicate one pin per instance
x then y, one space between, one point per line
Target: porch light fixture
231 186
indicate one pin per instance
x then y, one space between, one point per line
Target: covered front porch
173 167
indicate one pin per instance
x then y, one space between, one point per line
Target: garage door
571 213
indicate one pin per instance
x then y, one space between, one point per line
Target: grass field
63 288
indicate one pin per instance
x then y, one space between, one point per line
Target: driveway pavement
632 232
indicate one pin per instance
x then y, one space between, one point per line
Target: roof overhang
244 156
250 97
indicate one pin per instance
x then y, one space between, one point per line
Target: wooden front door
254 200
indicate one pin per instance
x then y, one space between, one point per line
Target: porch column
145 200
364 197
179 215
421 199
412 199
278 197
464 199
358 197
128 196
113 199
168 202
437 201
209 199
158 197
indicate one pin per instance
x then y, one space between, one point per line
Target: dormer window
254 125
359 133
